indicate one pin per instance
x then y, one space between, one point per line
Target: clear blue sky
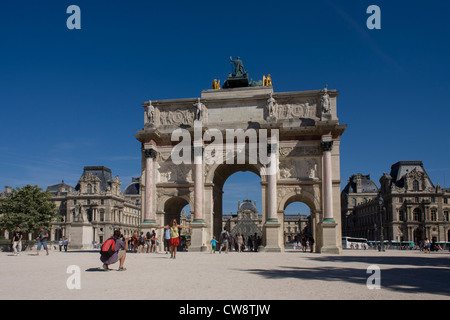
71 98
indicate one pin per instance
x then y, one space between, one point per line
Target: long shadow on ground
409 275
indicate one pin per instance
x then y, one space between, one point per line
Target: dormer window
416 185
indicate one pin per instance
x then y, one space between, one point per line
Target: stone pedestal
329 237
198 237
81 236
271 230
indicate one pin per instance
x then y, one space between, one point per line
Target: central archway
299 194
215 180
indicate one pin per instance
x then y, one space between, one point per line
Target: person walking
213 244
174 237
17 241
42 238
240 241
224 238
61 243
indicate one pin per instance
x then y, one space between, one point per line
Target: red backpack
108 248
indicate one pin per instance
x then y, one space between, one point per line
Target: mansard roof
100 172
400 169
367 185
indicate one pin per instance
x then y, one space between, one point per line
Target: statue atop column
199 106
271 108
326 104
150 114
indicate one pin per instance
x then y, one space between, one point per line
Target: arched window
416 185
89 188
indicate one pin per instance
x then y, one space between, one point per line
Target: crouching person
113 250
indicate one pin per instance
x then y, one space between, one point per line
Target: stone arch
173 206
291 194
216 178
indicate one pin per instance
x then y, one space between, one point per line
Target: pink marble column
327 181
198 182
149 215
272 184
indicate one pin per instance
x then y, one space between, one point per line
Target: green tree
28 208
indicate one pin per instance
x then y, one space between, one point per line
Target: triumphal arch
290 139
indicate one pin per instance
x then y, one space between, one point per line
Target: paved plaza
238 276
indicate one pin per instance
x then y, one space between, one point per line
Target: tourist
61 244
303 243
148 238
250 243
224 238
17 241
240 241
427 245
66 243
141 242
42 238
166 240
174 241
213 244
154 248
120 249
135 242
311 243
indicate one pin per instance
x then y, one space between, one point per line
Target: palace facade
90 211
407 206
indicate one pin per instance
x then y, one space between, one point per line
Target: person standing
66 243
166 240
311 243
154 248
240 241
17 241
61 243
174 237
42 238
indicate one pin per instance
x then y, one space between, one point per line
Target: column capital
150 153
326 145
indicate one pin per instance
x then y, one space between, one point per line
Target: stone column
198 235
272 184
272 228
149 214
329 233
327 146
198 184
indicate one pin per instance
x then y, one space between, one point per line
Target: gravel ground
239 276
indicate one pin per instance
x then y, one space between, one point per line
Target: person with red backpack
114 249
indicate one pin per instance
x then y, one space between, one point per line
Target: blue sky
71 98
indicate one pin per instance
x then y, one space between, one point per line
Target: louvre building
90 211
407 206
